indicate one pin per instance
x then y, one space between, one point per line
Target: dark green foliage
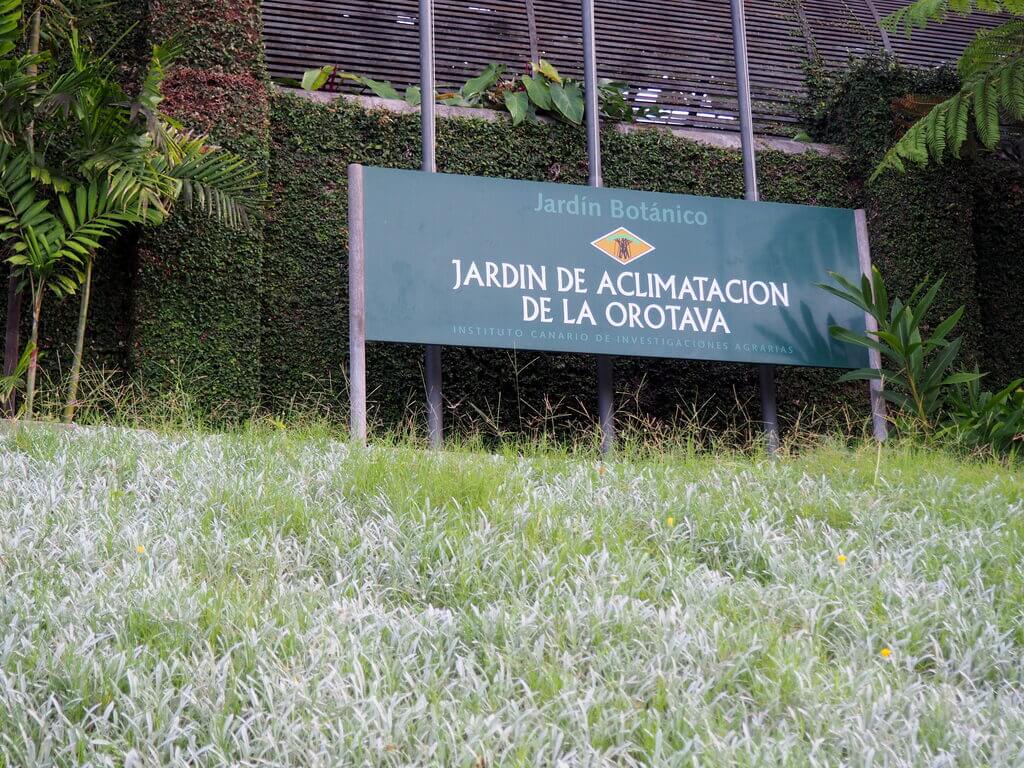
854 108
921 221
219 35
990 421
196 312
109 328
999 239
921 228
268 316
198 285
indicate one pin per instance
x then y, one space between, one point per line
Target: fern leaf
920 13
935 128
956 129
1011 89
986 112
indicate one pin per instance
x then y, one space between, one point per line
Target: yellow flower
600 469
841 559
140 549
670 522
886 653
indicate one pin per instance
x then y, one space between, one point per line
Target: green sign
468 261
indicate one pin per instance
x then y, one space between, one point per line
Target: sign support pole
605 373
435 414
356 307
879 423
766 373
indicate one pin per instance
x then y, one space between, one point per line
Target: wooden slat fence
675 54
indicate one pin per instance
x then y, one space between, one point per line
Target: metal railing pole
428 121
605 377
766 373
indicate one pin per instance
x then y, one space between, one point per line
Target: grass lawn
276 598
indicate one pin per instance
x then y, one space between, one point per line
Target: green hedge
921 221
305 314
999 238
198 286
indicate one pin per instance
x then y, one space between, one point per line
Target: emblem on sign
622 245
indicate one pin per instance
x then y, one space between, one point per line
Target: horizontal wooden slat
674 55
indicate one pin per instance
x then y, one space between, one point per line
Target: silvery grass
265 598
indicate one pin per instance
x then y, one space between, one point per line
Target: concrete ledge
721 139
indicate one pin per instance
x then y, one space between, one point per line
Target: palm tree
123 163
47 248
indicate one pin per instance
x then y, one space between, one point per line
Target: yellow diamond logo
622 245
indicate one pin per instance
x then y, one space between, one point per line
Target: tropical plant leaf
862 374
917 378
484 81
517 103
383 89
537 89
920 13
315 79
567 101
10 25
547 69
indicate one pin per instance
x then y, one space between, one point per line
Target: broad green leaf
569 104
315 79
484 81
382 89
517 103
548 70
537 88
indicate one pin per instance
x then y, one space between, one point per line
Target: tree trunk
33 360
76 365
531 24
12 340
13 327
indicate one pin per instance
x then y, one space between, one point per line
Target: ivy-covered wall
999 239
197 286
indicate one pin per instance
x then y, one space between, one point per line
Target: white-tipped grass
277 598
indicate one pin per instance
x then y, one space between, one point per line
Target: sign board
467 261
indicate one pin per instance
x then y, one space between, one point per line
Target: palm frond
11 12
213 180
19 79
147 103
20 207
947 126
920 13
990 48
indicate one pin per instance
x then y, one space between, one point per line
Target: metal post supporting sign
356 307
766 373
878 416
605 378
435 415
